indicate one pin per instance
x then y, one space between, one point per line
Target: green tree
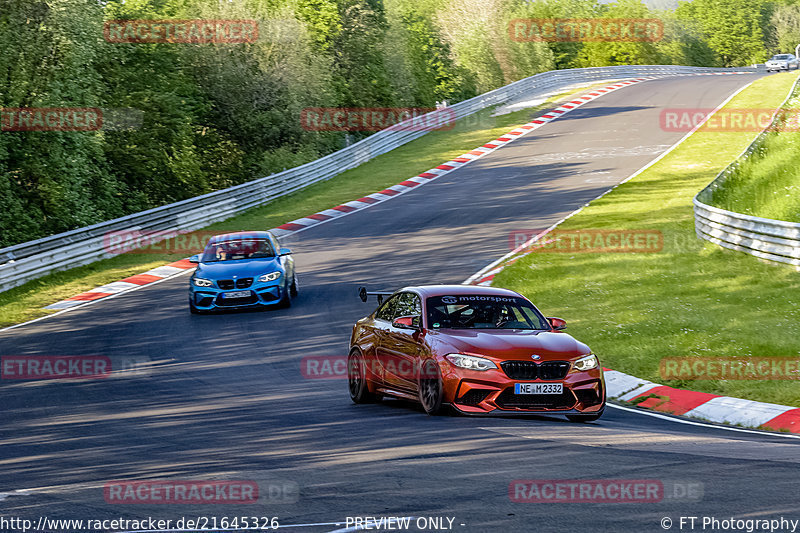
564 54
683 43
51 180
785 23
734 29
601 53
428 71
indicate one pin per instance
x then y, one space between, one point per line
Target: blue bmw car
242 270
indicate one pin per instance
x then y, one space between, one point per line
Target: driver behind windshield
230 250
514 314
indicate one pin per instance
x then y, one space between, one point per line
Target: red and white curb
127 284
701 405
304 223
454 164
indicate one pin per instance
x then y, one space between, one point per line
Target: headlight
200 282
586 363
470 362
272 276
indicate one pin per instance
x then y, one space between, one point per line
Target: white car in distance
782 62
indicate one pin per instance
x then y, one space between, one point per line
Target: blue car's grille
241 283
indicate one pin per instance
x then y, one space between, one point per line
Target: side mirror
406 322
558 324
195 258
285 251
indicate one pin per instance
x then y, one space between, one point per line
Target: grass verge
767 183
26 302
690 299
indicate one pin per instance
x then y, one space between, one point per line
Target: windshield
240 249
483 312
780 57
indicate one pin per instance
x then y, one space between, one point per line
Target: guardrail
30 260
765 238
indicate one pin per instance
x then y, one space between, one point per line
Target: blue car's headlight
272 276
200 282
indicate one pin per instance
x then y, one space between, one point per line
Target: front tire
430 388
293 286
286 299
357 379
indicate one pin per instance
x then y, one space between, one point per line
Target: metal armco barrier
23 262
774 240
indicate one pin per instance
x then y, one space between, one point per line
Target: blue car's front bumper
257 295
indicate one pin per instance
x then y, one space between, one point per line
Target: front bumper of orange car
492 391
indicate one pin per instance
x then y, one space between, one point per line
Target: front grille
553 370
587 397
521 369
509 400
241 283
473 397
529 370
231 302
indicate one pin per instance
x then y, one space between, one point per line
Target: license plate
538 388
236 294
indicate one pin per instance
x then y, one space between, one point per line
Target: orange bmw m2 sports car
481 350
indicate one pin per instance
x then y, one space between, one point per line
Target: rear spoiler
363 294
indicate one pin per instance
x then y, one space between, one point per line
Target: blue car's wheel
288 293
286 299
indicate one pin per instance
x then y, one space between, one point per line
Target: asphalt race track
224 397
